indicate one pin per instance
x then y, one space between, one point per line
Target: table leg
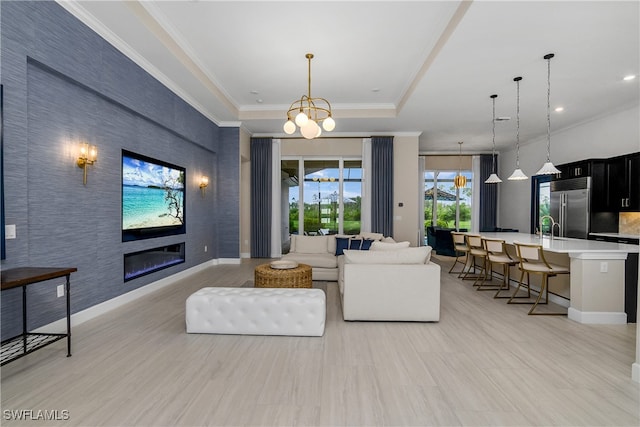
68 315
24 319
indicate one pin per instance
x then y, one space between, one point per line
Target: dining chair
531 260
476 252
461 250
497 254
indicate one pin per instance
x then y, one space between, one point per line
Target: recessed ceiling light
629 77
375 89
559 109
259 101
254 92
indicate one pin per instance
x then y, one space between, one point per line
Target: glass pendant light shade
493 178
289 127
309 130
548 168
460 181
301 119
517 174
329 124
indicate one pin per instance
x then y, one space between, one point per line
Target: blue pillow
342 243
355 244
366 244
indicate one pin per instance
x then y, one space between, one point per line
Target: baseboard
635 372
245 254
229 260
597 317
106 306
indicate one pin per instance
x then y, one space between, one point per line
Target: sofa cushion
382 246
419 255
325 260
312 244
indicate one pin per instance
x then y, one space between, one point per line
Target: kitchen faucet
553 224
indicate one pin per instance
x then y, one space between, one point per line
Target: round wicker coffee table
267 277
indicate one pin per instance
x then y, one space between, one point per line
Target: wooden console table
27 342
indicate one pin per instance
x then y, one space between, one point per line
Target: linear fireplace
138 264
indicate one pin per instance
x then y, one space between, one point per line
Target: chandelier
311 112
460 180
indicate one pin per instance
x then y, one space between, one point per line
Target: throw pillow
355 244
342 243
388 239
312 244
366 244
381 246
352 243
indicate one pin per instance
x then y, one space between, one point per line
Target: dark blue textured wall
64 84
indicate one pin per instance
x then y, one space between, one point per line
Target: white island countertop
565 244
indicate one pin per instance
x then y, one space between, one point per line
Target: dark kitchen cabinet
623 175
578 169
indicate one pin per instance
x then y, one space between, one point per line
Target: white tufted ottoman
257 311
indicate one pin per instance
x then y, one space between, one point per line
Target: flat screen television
153 197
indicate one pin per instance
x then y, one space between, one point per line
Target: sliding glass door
327 200
445 205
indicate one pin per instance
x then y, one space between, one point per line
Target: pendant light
493 178
548 168
517 174
460 180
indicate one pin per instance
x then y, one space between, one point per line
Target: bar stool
531 260
461 249
474 243
497 254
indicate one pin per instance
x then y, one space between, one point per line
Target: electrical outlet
60 290
604 267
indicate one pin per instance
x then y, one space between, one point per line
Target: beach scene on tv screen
152 195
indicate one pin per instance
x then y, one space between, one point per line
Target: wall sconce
88 156
204 182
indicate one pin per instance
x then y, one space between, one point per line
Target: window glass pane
544 204
352 196
291 190
452 205
321 186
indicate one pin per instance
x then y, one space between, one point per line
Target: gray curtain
382 185
488 195
261 197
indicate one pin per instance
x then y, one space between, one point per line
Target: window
329 199
445 205
540 202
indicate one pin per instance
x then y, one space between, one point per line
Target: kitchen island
597 285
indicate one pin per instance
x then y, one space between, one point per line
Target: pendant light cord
493 153
518 122
548 58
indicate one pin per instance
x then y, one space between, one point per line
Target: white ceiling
387 67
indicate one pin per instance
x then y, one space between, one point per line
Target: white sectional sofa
393 285
317 251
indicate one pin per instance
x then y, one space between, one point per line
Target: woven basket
267 277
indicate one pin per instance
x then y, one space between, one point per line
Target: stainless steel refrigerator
570 202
